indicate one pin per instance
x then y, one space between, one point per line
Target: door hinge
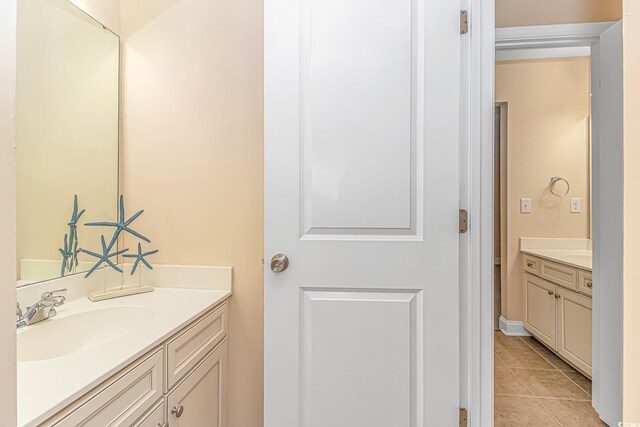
463 221
464 22
463 417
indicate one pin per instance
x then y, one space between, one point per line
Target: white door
361 194
608 222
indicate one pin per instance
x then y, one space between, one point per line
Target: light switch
576 205
525 205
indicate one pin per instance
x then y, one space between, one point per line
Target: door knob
178 411
279 263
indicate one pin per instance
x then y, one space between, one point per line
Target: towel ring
554 181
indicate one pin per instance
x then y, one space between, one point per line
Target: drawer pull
530 264
550 292
164 424
589 284
178 411
557 296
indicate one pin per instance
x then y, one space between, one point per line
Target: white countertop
574 252
47 386
581 259
574 258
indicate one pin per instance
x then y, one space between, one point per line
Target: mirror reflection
67 136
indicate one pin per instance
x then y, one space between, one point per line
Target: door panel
358 343
361 193
341 156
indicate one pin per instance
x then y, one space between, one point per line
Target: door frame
477 189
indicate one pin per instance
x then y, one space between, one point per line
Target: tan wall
631 337
192 148
547 135
515 13
7 213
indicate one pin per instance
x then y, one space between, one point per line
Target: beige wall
192 149
515 13
547 135
631 332
7 213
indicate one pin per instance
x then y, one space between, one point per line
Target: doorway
542 210
601 41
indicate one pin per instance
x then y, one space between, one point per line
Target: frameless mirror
67 104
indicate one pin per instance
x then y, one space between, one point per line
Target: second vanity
156 359
557 282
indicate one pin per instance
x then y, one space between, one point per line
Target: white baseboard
513 328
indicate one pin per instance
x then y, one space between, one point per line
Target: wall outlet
576 205
525 205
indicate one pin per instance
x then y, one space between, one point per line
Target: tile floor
534 387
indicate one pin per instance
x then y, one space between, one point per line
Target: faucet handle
50 294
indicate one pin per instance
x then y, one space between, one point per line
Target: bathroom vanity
156 359
557 292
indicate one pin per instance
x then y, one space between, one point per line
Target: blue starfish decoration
121 225
66 254
104 257
73 235
140 257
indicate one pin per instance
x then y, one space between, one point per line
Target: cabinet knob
589 284
557 296
177 411
550 292
530 264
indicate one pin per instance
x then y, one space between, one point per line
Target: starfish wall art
140 256
121 225
104 257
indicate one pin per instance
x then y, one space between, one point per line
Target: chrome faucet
42 310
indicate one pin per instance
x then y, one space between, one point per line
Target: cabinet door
156 418
200 399
574 329
540 309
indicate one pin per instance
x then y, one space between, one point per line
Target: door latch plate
464 22
463 221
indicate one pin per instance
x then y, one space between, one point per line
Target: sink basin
62 336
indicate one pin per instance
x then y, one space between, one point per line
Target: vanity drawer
559 274
530 264
122 401
191 345
585 282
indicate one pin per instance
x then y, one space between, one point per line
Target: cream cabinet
199 400
558 309
156 418
182 382
574 329
540 309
